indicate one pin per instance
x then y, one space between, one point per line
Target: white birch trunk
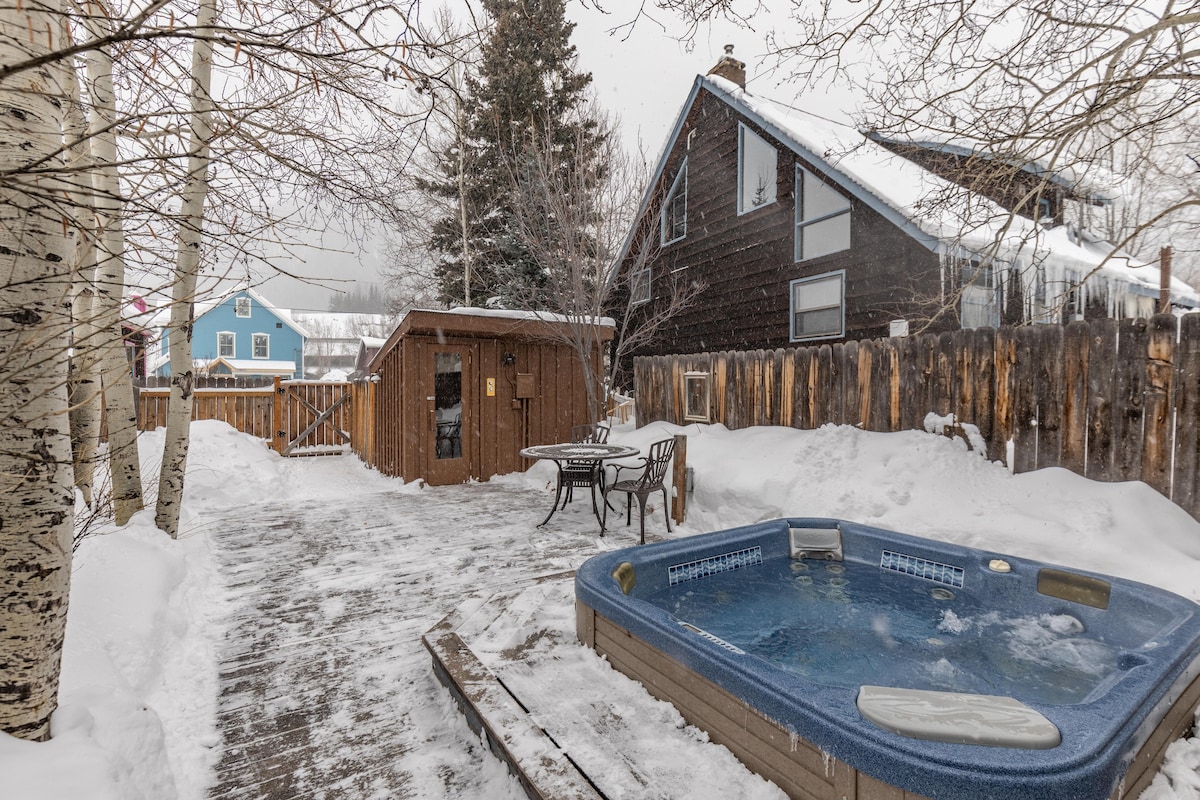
36 497
187 265
85 375
110 278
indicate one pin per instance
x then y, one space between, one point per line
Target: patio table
574 451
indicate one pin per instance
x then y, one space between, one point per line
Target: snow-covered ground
137 715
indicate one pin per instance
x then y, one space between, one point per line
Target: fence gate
312 418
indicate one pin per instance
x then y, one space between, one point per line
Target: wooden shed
459 393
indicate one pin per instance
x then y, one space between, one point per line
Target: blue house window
262 345
818 306
241 307
226 344
674 212
822 218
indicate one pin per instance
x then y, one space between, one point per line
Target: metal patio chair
587 472
653 474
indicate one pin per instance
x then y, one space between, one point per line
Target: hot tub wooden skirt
797 767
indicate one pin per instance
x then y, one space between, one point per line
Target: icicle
827 760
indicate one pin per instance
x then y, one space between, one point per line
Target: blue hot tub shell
1099 736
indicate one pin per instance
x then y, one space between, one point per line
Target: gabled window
226 342
818 306
241 306
822 217
639 286
261 343
674 211
756 171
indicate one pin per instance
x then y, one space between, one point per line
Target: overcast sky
641 75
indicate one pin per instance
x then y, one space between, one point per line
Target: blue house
242 335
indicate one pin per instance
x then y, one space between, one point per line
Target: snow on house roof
340 324
248 366
945 217
506 313
282 314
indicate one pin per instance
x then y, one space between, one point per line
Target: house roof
339 324
281 314
255 366
943 216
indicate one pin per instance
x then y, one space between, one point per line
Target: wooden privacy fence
297 417
1109 400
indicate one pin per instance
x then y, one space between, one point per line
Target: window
639 286
817 306
822 217
241 306
674 212
695 396
261 345
980 294
756 171
225 345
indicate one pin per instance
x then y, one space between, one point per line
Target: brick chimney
730 68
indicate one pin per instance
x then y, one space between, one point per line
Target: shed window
639 286
822 217
674 212
756 171
225 345
695 396
818 308
241 307
262 345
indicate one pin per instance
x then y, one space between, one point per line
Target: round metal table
577 453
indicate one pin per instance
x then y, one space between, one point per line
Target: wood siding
1109 400
504 423
746 262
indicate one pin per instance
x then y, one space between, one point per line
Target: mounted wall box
491 387
525 385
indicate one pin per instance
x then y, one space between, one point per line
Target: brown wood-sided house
800 230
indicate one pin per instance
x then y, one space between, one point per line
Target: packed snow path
326 690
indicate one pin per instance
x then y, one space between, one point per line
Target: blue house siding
283 340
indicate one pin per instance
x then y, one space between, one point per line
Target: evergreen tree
525 92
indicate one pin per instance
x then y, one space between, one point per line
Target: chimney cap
728 49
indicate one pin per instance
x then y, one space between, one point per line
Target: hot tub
843 661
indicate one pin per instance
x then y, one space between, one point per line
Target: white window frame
254 337
666 221
840 277
232 344
803 222
240 305
772 187
637 280
691 414
980 291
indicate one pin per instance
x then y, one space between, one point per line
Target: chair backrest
658 460
590 433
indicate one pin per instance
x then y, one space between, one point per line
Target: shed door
448 440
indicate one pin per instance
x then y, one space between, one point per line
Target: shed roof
256 366
486 323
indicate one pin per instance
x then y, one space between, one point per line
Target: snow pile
138 700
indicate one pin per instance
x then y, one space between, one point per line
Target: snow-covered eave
281 314
1067 179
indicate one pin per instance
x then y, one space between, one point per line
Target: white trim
801 222
773 186
662 214
237 306
254 345
635 300
232 344
840 274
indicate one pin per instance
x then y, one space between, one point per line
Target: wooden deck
328 603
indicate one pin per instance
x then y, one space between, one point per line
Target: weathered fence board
1112 401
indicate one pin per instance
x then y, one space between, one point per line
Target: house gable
747 259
